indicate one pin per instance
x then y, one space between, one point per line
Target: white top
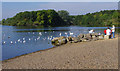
108 32
113 29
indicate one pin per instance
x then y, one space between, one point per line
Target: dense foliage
51 18
65 16
46 18
102 18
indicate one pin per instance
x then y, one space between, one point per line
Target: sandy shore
101 54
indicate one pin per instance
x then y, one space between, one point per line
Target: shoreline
81 55
117 36
28 54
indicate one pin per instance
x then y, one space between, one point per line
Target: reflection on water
18 40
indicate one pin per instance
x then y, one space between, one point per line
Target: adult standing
113 31
108 32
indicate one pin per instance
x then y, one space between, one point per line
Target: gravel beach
101 54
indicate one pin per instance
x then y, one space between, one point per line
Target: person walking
113 31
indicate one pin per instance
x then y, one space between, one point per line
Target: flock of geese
23 40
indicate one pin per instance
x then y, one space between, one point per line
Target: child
105 31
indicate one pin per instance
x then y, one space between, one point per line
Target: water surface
17 41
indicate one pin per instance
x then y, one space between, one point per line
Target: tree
65 16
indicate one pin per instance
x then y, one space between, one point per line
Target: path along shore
101 54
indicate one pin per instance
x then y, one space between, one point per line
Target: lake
17 41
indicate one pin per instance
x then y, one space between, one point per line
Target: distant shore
101 54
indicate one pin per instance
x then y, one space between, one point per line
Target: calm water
17 41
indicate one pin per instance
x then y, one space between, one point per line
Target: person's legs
113 34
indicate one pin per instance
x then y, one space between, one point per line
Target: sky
60 0
10 9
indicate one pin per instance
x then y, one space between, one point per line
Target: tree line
102 18
43 18
51 18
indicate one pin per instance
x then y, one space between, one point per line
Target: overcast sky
9 9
